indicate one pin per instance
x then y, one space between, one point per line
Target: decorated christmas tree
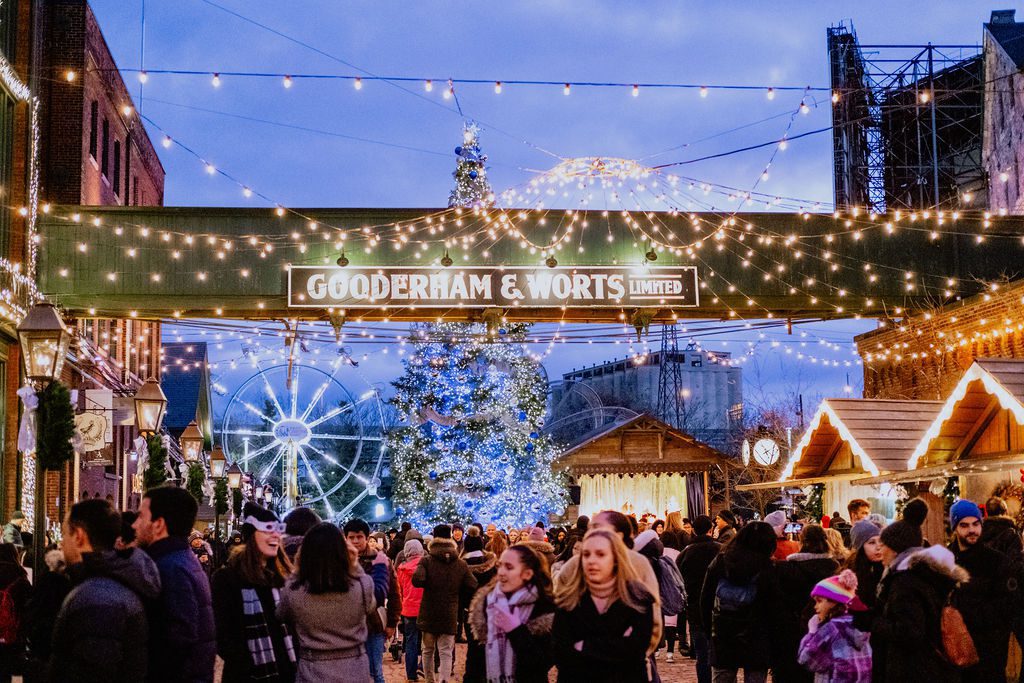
474 403
471 186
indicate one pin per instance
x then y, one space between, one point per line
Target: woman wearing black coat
245 598
605 619
739 604
797 575
522 591
912 595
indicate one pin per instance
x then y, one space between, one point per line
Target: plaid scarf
259 637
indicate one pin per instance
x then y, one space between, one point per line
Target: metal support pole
935 134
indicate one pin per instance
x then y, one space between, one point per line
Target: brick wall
79 160
1003 133
73 172
923 357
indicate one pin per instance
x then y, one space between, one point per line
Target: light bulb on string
497 87
70 75
167 142
566 89
428 85
770 94
215 81
287 82
358 83
143 77
703 91
636 90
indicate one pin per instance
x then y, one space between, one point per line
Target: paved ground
680 671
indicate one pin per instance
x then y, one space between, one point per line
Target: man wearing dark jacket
693 563
101 633
985 601
385 590
183 640
443 576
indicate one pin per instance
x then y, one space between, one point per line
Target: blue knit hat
962 509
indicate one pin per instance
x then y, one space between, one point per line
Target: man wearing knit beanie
986 600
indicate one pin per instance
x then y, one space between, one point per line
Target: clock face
745 451
766 452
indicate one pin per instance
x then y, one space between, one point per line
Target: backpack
9 621
670 585
733 609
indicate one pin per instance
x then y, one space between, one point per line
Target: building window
117 167
127 167
94 113
105 152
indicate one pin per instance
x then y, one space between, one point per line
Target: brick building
923 356
19 121
1003 137
95 151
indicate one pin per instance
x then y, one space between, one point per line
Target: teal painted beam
119 260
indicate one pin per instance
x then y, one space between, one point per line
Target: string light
566 89
358 83
215 80
287 81
497 87
428 85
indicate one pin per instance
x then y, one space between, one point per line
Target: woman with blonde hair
605 620
836 546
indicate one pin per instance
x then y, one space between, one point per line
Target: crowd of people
144 596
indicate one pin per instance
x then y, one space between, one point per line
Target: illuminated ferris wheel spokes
306 434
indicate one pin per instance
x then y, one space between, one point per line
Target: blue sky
299 146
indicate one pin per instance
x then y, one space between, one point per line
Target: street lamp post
191 441
217 462
44 341
150 406
234 477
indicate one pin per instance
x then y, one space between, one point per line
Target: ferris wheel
303 432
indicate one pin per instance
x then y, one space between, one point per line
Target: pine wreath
56 427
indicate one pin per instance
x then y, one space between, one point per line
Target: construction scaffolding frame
907 124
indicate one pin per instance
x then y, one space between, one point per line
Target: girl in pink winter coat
833 649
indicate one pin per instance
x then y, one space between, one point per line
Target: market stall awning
799 483
952 469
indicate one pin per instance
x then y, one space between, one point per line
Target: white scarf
501 658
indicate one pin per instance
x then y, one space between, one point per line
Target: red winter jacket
411 596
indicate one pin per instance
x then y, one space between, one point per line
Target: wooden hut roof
989 385
641 444
881 433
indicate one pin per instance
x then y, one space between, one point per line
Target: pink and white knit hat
841 588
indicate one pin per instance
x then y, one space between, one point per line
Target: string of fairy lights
651 229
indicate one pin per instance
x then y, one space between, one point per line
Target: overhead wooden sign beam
421 264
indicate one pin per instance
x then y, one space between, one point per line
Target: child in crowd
833 649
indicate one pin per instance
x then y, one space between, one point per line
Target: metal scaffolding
907 124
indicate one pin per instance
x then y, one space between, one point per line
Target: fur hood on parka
443 550
939 561
482 563
539 625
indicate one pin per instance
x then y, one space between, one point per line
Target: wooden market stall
641 465
977 436
849 439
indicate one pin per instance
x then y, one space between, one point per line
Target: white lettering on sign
483 286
